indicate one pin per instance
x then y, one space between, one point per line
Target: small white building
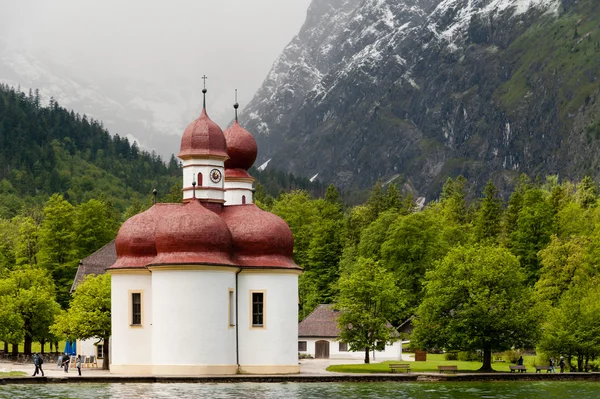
318 337
208 286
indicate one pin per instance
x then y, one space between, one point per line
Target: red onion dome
259 238
241 147
135 242
193 235
203 137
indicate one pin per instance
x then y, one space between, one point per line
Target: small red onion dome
260 238
193 235
203 137
241 147
135 242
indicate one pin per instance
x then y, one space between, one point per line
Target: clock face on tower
215 175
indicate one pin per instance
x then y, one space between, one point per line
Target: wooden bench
399 366
520 369
540 368
453 369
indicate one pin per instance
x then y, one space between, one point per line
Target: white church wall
192 332
130 344
272 348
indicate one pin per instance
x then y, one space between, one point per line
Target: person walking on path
562 364
35 363
78 364
66 360
552 370
40 361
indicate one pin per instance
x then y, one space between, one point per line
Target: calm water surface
521 390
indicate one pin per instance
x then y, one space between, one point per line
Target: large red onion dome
260 238
193 235
241 147
135 242
203 137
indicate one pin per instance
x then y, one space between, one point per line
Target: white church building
208 286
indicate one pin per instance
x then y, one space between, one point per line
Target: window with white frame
258 308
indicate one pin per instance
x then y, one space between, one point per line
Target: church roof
204 231
320 323
203 137
96 263
241 147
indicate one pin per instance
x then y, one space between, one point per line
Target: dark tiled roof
320 323
96 263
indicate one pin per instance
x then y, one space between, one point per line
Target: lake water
504 390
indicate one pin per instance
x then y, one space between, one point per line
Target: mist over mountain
149 113
415 91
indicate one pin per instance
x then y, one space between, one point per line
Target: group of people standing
38 360
66 360
561 364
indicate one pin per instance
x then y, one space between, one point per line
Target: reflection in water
434 390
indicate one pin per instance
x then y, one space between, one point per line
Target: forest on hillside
528 268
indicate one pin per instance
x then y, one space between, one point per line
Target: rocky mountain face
414 91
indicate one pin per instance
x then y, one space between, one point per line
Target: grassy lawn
430 365
13 374
36 347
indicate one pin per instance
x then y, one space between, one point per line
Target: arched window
199 182
243 200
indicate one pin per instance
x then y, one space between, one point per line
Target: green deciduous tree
563 263
89 314
368 298
27 294
412 245
57 250
573 327
476 299
94 226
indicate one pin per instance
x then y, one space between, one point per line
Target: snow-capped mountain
419 90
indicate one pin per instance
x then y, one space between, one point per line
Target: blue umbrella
71 348
67 347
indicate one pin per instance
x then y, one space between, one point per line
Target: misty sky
233 42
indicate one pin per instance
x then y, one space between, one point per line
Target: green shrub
451 356
513 355
469 356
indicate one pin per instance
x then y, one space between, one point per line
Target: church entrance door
322 350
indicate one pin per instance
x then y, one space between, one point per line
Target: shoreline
300 378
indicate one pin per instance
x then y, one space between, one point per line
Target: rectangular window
231 308
301 346
100 351
258 308
136 309
343 347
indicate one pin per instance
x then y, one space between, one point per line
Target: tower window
243 200
199 182
231 308
136 308
258 309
